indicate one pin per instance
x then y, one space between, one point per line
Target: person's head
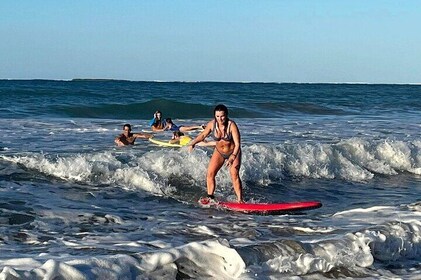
169 121
158 115
221 114
127 127
177 134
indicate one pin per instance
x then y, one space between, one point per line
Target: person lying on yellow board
183 140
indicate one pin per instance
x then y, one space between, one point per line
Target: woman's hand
119 142
231 159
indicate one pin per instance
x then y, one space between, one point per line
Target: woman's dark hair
178 133
157 123
128 125
169 120
222 108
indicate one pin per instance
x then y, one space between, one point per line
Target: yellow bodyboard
164 143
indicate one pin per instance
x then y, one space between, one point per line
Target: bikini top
226 137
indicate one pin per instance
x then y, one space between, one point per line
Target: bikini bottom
225 156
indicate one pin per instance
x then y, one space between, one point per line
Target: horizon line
199 81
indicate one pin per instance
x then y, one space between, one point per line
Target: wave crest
144 110
351 160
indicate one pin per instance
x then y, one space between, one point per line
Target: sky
337 41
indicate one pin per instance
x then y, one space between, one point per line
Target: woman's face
126 130
220 116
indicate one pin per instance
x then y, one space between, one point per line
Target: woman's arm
236 138
174 141
151 122
119 140
142 135
237 143
201 136
205 143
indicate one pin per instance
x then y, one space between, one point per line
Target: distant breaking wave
178 109
145 110
114 99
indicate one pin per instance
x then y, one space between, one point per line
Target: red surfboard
269 208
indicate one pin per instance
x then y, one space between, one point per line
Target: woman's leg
215 164
235 177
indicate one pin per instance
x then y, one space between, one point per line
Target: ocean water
75 206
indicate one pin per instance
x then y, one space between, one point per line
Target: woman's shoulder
211 122
230 122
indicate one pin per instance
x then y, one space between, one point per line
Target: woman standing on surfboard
227 149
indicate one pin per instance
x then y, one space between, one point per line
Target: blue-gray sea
75 206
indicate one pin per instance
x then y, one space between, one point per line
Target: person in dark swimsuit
157 123
227 149
127 137
171 126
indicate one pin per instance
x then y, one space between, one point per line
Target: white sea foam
101 167
352 160
393 234
77 167
382 234
391 241
209 259
353 251
291 257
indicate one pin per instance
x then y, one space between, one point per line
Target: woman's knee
211 174
234 174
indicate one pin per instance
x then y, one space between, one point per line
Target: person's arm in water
118 141
174 141
201 136
121 140
142 135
